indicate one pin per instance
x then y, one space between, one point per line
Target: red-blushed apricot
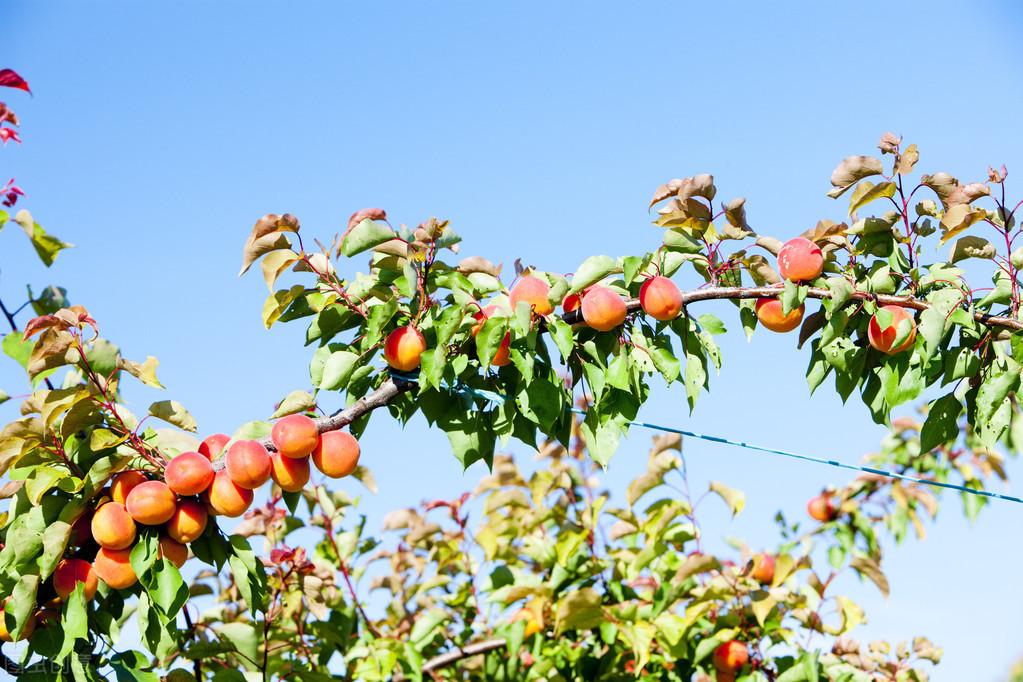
295 435
337 454
81 529
123 483
151 503
113 527
572 302
763 568
189 473
113 567
503 354
174 551
603 309
225 497
188 521
212 446
403 348
26 632
892 329
534 292
248 464
660 299
483 315
69 573
290 473
770 312
800 260
730 656
822 508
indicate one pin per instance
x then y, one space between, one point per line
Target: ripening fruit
289 473
337 454
113 567
534 292
26 632
800 260
900 325
248 464
771 315
189 473
113 527
69 573
502 356
763 568
295 435
188 521
822 508
81 529
572 302
123 483
483 315
403 348
175 552
533 624
730 656
212 446
225 497
603 309
660 299
151 503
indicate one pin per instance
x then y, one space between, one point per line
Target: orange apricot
248 464
503 354
113 567
403 348
770 312
603 309
188 521
660 299
822 508
337 454
763 568
189 473
534 292
225 497
289 473
69 573
151 503
26 631
123 483
173 550
295 435
731 656
212 446
113 527
891 330
800 260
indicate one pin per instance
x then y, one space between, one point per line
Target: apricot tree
104 508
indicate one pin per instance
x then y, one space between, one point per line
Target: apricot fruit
503 354
337 454
212 446
189 473
151 503
572 302
248 464
822 508
26 631
660 298
113 527
289 473
225 497
174 551
295 435
69 573
123 483
800 260
483 315
891 330
603 309
113 567
771 315
403 348
188 521
763 568
534 292
730 656
81 529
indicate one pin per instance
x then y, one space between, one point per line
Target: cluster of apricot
193 487
601 308
801 260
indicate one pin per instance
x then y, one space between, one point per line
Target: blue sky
160 131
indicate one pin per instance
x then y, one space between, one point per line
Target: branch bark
447 659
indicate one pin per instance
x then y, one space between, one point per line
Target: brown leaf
942 184
907 160
697 185
889 143
266 236
851 170
868 568
366 214
478 264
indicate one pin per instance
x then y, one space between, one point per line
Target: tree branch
447 659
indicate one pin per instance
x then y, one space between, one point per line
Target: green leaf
173 412
562 334
735 499
489 338
337 370
867 192
841 290
365 236
75 620
47 246
279 301
248 573
294 403
591 271
579 610
971 246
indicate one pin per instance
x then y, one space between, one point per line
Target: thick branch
447 659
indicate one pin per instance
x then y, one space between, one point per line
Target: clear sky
160 131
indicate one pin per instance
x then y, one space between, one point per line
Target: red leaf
11 79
